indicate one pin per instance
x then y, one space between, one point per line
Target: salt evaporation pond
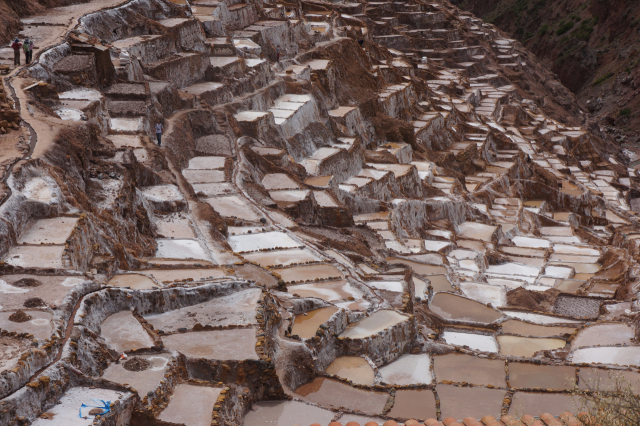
331 393
329 291
539 318
414 404
460 368
133 281
535 402
305 325
234 344
614 355
479 342
282 257
408 370
604 335
353 368
527 346
462 402
123 332
66 411
452 307
142 381
191 405
591 378
522 328
529 376
286 413
261 241
234 309
372 324
485 293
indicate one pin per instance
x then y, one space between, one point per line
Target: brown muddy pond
452 307
305 326
286 413
353 368
169 275
534 402
527 346
522 328
331 393
462 402
191 405
374 323
460 368
255 273
440 283
528 376
414 404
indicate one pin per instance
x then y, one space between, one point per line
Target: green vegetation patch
564 27
602 79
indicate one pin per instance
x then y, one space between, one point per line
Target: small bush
565 27
618 405
624 112
544 29
602 79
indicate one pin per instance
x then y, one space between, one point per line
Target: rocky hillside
591 45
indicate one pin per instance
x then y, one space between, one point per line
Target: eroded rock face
359 206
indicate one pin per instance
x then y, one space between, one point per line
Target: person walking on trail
16 52
27 51
159 129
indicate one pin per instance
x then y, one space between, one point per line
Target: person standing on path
16 52
159 129
27 51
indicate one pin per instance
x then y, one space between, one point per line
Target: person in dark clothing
159 129
361 42
27 51
16 52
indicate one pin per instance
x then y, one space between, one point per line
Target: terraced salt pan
540 319
476 402
160 193
305 325
191 405
534 402
529 376
608 380
68 411
413 404
527 346
460 368
234 344
394 286
40 325
262 241
331 393
477 231
235 207
329 291
133 281
456 308
234 309
353 368
514 269
309 273
36 256
408 370
372 324
529 242
181 249
604 335
484 293
478 342
123 332
49 231
142 381
282 413
614 355
533 330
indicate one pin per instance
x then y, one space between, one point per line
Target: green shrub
543 29
602 79
624 112
565 27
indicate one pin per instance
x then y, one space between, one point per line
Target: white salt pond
261 241
604 335
181 249
68 411
530 242
395 286
191 405
485 293
408 370
616 355
514 269
133 281
282 257
372 324
539 318
142 381
478 342
123 332
329 291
